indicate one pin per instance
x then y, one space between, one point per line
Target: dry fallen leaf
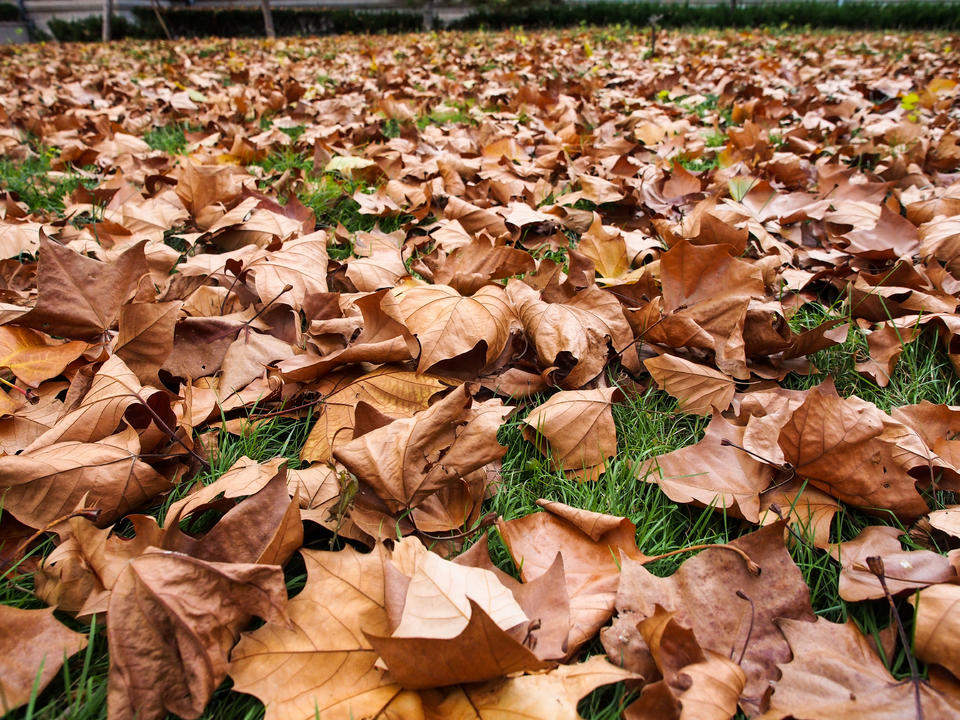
33 645
394 392
715 472
694 683
173 620
31 358
731 610
447 326
842 446
48 483
835 674
903 570
322 665
589 545
699 389
577 430
544 696
81 297
936 626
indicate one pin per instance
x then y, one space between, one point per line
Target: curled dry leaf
903 570
553 695
448 326
843 446
32 358
572 338
698 388
33 647
145 340
79 575
694 684
398 393
578 430
173 620
114 389
300 264
480 651
946 520
589 544
412 458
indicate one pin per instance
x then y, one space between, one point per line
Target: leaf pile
408 243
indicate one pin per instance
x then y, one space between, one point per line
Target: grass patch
36 184
171 139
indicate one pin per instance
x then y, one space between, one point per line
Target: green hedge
238 23
9 12
89 29
852 15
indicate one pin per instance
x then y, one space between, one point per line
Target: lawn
278 187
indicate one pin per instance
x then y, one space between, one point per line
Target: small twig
775 509
875 564
484 522
163 25
233 284
14 387
752 567
169 432
246 323
753 614
726 443
89 513
295 408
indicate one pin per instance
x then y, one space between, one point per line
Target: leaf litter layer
480 376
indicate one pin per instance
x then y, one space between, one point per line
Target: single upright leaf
80 297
